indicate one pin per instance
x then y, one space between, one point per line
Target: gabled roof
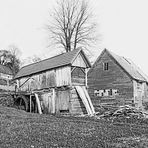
127 65
5 70
51 63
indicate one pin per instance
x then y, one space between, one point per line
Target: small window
102 94
105 66
111 92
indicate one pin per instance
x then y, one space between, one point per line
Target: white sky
123 25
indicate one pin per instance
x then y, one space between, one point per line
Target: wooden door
62 101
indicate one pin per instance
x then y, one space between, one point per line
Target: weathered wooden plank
62 100
84 99
78 81
38 103
79 61
63 76
51 78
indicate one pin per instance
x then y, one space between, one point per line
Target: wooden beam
30 103
24 82
53 100
86 71
73 69
38 103
89 100
84 99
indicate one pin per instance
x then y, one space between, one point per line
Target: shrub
145 104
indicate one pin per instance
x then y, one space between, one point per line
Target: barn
115 80
59 82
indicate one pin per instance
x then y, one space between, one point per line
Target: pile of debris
123 112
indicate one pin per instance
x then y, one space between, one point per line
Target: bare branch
71 26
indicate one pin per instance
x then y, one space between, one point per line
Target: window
105 66
106 92
110 92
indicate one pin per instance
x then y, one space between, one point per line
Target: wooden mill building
59 82
115 80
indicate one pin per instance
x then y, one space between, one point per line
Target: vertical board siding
47 102
140 93
62 100
53 78
145 92
63 76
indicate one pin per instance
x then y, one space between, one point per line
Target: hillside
21 129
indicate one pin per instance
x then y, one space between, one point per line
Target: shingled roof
5 70
127 65
50 63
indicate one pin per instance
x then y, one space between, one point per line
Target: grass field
19 129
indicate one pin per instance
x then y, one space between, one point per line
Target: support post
86 77
53 100
38 103
30 103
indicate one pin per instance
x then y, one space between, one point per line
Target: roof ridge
134 67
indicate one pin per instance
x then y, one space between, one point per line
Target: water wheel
22 102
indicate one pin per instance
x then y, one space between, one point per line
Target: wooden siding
79 61
62 100
140 93
52 78
57 77
114 84
63 76
65 100
78 76
54 104
76 104
60 80
47 102
145 92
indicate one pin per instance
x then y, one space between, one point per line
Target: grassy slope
21 129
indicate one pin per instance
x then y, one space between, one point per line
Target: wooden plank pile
124 112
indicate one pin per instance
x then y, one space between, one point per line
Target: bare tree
14 58
72 25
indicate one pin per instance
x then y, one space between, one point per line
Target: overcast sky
123 25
